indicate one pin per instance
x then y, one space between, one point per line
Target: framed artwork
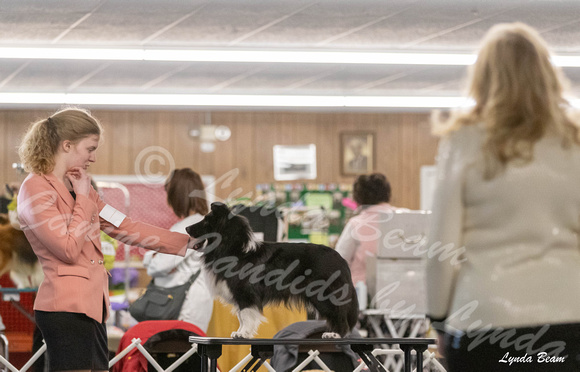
357 151
294 162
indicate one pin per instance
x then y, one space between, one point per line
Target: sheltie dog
17 256
249 274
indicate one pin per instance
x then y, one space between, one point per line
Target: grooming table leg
213 352
366 354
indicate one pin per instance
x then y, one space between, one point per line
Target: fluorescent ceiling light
200 100
258 56
566 61
266 56
225 100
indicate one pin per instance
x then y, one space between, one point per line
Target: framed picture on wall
357 151
294 162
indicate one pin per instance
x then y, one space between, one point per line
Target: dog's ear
9 191
218 207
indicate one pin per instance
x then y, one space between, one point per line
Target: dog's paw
241 335
330 335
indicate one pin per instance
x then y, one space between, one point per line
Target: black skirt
73 341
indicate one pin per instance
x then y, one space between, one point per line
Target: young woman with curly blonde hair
62 217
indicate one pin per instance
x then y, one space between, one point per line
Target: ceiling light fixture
225 100
201 100
257 56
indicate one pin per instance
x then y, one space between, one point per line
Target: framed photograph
357 151
294 162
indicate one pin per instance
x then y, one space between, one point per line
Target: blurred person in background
186 197
359 238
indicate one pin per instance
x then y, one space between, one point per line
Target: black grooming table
263 348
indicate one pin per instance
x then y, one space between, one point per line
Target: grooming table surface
262 349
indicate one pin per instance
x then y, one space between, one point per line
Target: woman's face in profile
83 153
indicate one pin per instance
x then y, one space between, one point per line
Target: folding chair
168 346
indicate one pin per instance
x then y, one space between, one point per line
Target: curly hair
186 193
371 189
40 143
518 96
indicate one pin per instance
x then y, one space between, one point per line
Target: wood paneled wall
403 145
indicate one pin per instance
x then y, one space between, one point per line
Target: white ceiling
324 25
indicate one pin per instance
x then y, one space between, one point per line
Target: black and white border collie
250 274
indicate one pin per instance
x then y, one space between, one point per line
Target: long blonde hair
518 97
40 143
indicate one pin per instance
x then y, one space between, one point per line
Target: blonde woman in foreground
508 197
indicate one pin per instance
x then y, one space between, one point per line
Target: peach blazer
65 235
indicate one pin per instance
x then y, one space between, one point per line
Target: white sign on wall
294 162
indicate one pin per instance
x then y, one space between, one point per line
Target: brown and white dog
16 254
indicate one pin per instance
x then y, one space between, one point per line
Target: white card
112 215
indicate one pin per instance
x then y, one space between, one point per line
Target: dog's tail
343 319
352 316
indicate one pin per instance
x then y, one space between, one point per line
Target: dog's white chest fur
219 287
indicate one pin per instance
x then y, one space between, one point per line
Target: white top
169 271
358 239
519 232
